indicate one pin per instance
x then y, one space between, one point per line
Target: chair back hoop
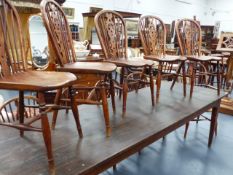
58 31
12 49
189 37
111 30
152 32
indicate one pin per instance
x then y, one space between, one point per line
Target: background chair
17 113
111 30
59 33
153 36
200 66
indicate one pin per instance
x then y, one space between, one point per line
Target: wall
168 10
220 10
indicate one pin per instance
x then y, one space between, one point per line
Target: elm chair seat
165 58
203 58
121 62
37 81
88 67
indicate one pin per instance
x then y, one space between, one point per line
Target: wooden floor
141 125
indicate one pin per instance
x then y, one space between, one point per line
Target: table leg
213 124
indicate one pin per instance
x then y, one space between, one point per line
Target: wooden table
141 126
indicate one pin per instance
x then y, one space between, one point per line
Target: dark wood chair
200 66
153 36
19 113
59 33
112 34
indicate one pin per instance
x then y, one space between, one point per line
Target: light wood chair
200 66
59 33
153 36
112 34
18 112
190 41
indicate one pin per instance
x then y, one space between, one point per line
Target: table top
141 126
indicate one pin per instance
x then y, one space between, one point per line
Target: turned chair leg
46 130
186 129
55 112
192 77
184 78
105 110
152 85
218 78
158 81
125 93
112 93
176 75
121 80
74 108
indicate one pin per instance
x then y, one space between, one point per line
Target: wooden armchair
59 33
112 34
200 66
14 75
153 36
190 41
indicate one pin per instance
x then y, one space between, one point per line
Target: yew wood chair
14 75
111 30
200 66
60 35
153 36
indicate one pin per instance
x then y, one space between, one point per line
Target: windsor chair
153 36
111 30
18 113
59 33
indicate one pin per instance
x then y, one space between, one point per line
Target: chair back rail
189 37
152 32
59 31
111 30
12 53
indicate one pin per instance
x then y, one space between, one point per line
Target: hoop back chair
153 36
112 34
190 41
60 35
14 75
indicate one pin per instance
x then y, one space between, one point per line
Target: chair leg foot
125 92
74 108
112 92
105 111
46 131
152 87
